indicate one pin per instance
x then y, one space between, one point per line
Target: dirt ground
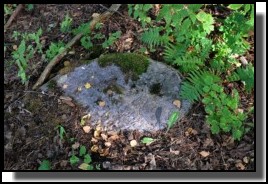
31 118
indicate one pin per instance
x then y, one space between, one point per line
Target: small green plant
139 12
86 159
86 42
147 140
62 131
54 49
29 7
45 165
66 24
112 38
21 56
172 119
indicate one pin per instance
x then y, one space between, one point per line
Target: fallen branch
13 16
57 58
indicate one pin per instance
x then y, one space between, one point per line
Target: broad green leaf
172 119
235 6
147 140
87 159
62 132
45 165
82 150
74 159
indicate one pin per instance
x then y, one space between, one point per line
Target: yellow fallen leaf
94 148
86 129
204 153
83 166
97 134
87 85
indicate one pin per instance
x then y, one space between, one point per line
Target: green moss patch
130 63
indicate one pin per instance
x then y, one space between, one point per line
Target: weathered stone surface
144 104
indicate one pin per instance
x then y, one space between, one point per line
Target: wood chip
66 98
108 144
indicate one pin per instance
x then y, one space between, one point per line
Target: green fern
244 74
153 38
188 63
192 87
172 51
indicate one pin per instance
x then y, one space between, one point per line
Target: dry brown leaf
94 15
101 103
93 140
66 98
110 133
113 138
240 166
133 143
204 153
104 136
15 47
75 145
208 142
105 152
174 151
108 144
87 129
177 103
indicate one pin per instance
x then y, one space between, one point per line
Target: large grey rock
137 107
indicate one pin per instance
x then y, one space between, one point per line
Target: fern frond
247 75
153 38
192 87
172 52
188 63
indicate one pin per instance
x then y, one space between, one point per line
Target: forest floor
31 118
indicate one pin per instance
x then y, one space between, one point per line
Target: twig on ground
58 57
13 16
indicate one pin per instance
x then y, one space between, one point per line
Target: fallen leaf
86 129
75 145
110 133
246 160
79 89
108 144
94 140
67 102
94 15
87 85
174 151
97 134
15 47
208 142
66 98
133 143
94 148
240 166
64 86
104 136
177 103
83 166
204 153
104 152
99 128
113 138
84 118
101 103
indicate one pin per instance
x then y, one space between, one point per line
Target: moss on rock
130 63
